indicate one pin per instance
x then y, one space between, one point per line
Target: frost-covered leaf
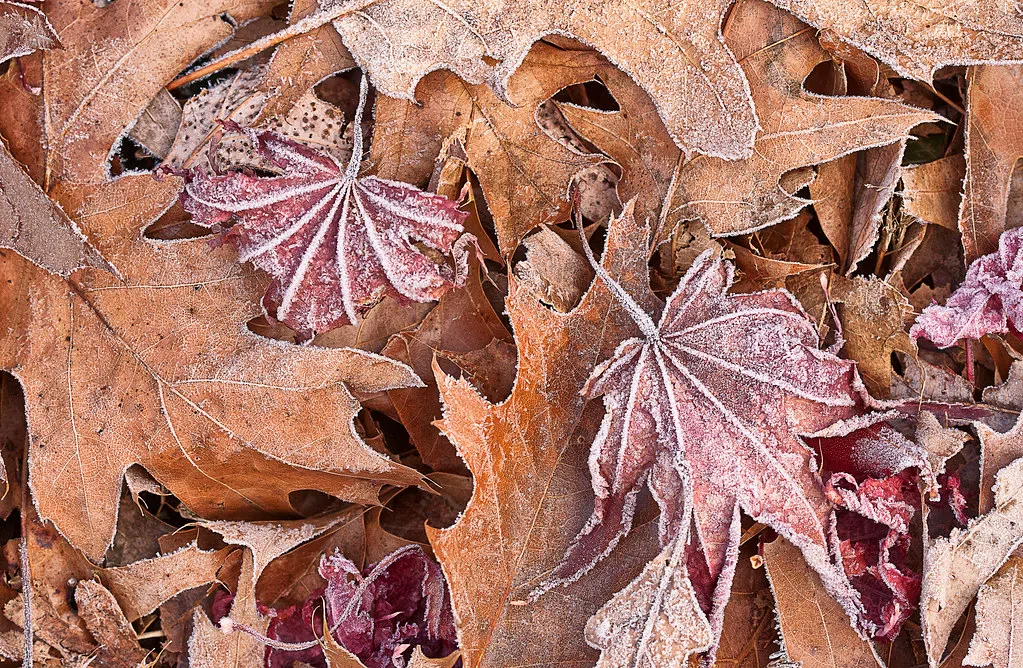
799 129
989 300
994 144
375 614
932 192
655 621
158 368
23 29
999 620
335 244
673 50
118 647
707 410
956 567
814 629
531 485
916 38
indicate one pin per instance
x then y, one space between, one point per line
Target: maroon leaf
707 410
377 614
334 244
988 301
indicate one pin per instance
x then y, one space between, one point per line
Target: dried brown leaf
932 193
118 647
23 29
999 619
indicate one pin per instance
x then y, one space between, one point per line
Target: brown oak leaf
707 410
335 244
799 129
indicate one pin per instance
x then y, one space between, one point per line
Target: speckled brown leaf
673 49
999 620
994 142
916 38
955 567
799 129
531 484
158 368
23 29
813 627
118 647
525 174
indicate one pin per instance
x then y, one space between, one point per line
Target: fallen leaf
814 628
23 29
800 129
659 43
701 366
335 244
956 567
992 150
531 485
998 620
211 646
988 300
118 647
932 193
553 270
915 38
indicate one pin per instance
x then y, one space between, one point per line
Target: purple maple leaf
988 301
707 410
334 244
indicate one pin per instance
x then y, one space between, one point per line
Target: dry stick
297 29
26 566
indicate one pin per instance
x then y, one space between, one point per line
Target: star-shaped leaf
335 244
707 409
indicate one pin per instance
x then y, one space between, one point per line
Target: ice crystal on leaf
989 300
335 244
707 410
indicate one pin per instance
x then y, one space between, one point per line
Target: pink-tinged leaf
334 244
707 410
989 300
377 614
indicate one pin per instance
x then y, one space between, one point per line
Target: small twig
26 593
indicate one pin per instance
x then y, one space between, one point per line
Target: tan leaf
916 38
94 94
553 270
673 50
655 621
158 369
800 129
141 587
531 494
815 631
158 125
36 227
994 143
933 192
956 567
999 620
118 647
525 174
23 29
420 660
212 647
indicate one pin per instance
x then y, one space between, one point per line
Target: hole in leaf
827 78
590 95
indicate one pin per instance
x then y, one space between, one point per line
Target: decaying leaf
334 243
814 628
999 618
957 566
118 646
988 301
799 129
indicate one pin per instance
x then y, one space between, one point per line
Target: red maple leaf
334 244
989 300
707 410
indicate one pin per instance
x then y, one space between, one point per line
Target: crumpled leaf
815 631
800 129
993 146
334 244
999 609
118 646
158 368
23 29
400 602
916 38
956 567
531 485
655 621
524 173
673 50
704 410
989 300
